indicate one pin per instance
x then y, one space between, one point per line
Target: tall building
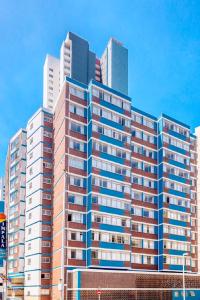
112 200
76 59
38 211
51 84
130 182
78 62
15 211
114 66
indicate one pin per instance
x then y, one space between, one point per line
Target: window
47 134
136 258
148 213
47 196
76 145
148 244
77 127
111 150
46 244
76 92
78 110
148 198
15 143
46 228
75 199
76 163
137 227
111 220
45 276
117 118
94 254
46 212
47 149
149 260
76 181
46 259
110 237
75 217
137 118
137 211
148 123
137 243
107 201
47 165
109 167
148 229
73 236
110 184
48 119
73 253
76 254
47 180
111 133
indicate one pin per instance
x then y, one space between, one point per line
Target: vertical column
109 185
174 194
144 191
70 183
39 182
197 200
15 212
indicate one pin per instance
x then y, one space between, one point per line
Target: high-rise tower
78 62
107 194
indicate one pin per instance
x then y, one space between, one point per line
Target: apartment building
38 211
114 72
15 211
51 84
130 200
78 62
112 198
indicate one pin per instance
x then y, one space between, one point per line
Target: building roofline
74 81
174 120
111 90
46 110
21 130
144 113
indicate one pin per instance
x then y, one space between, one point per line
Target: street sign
98 292
2 238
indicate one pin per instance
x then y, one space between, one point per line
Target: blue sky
162 36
